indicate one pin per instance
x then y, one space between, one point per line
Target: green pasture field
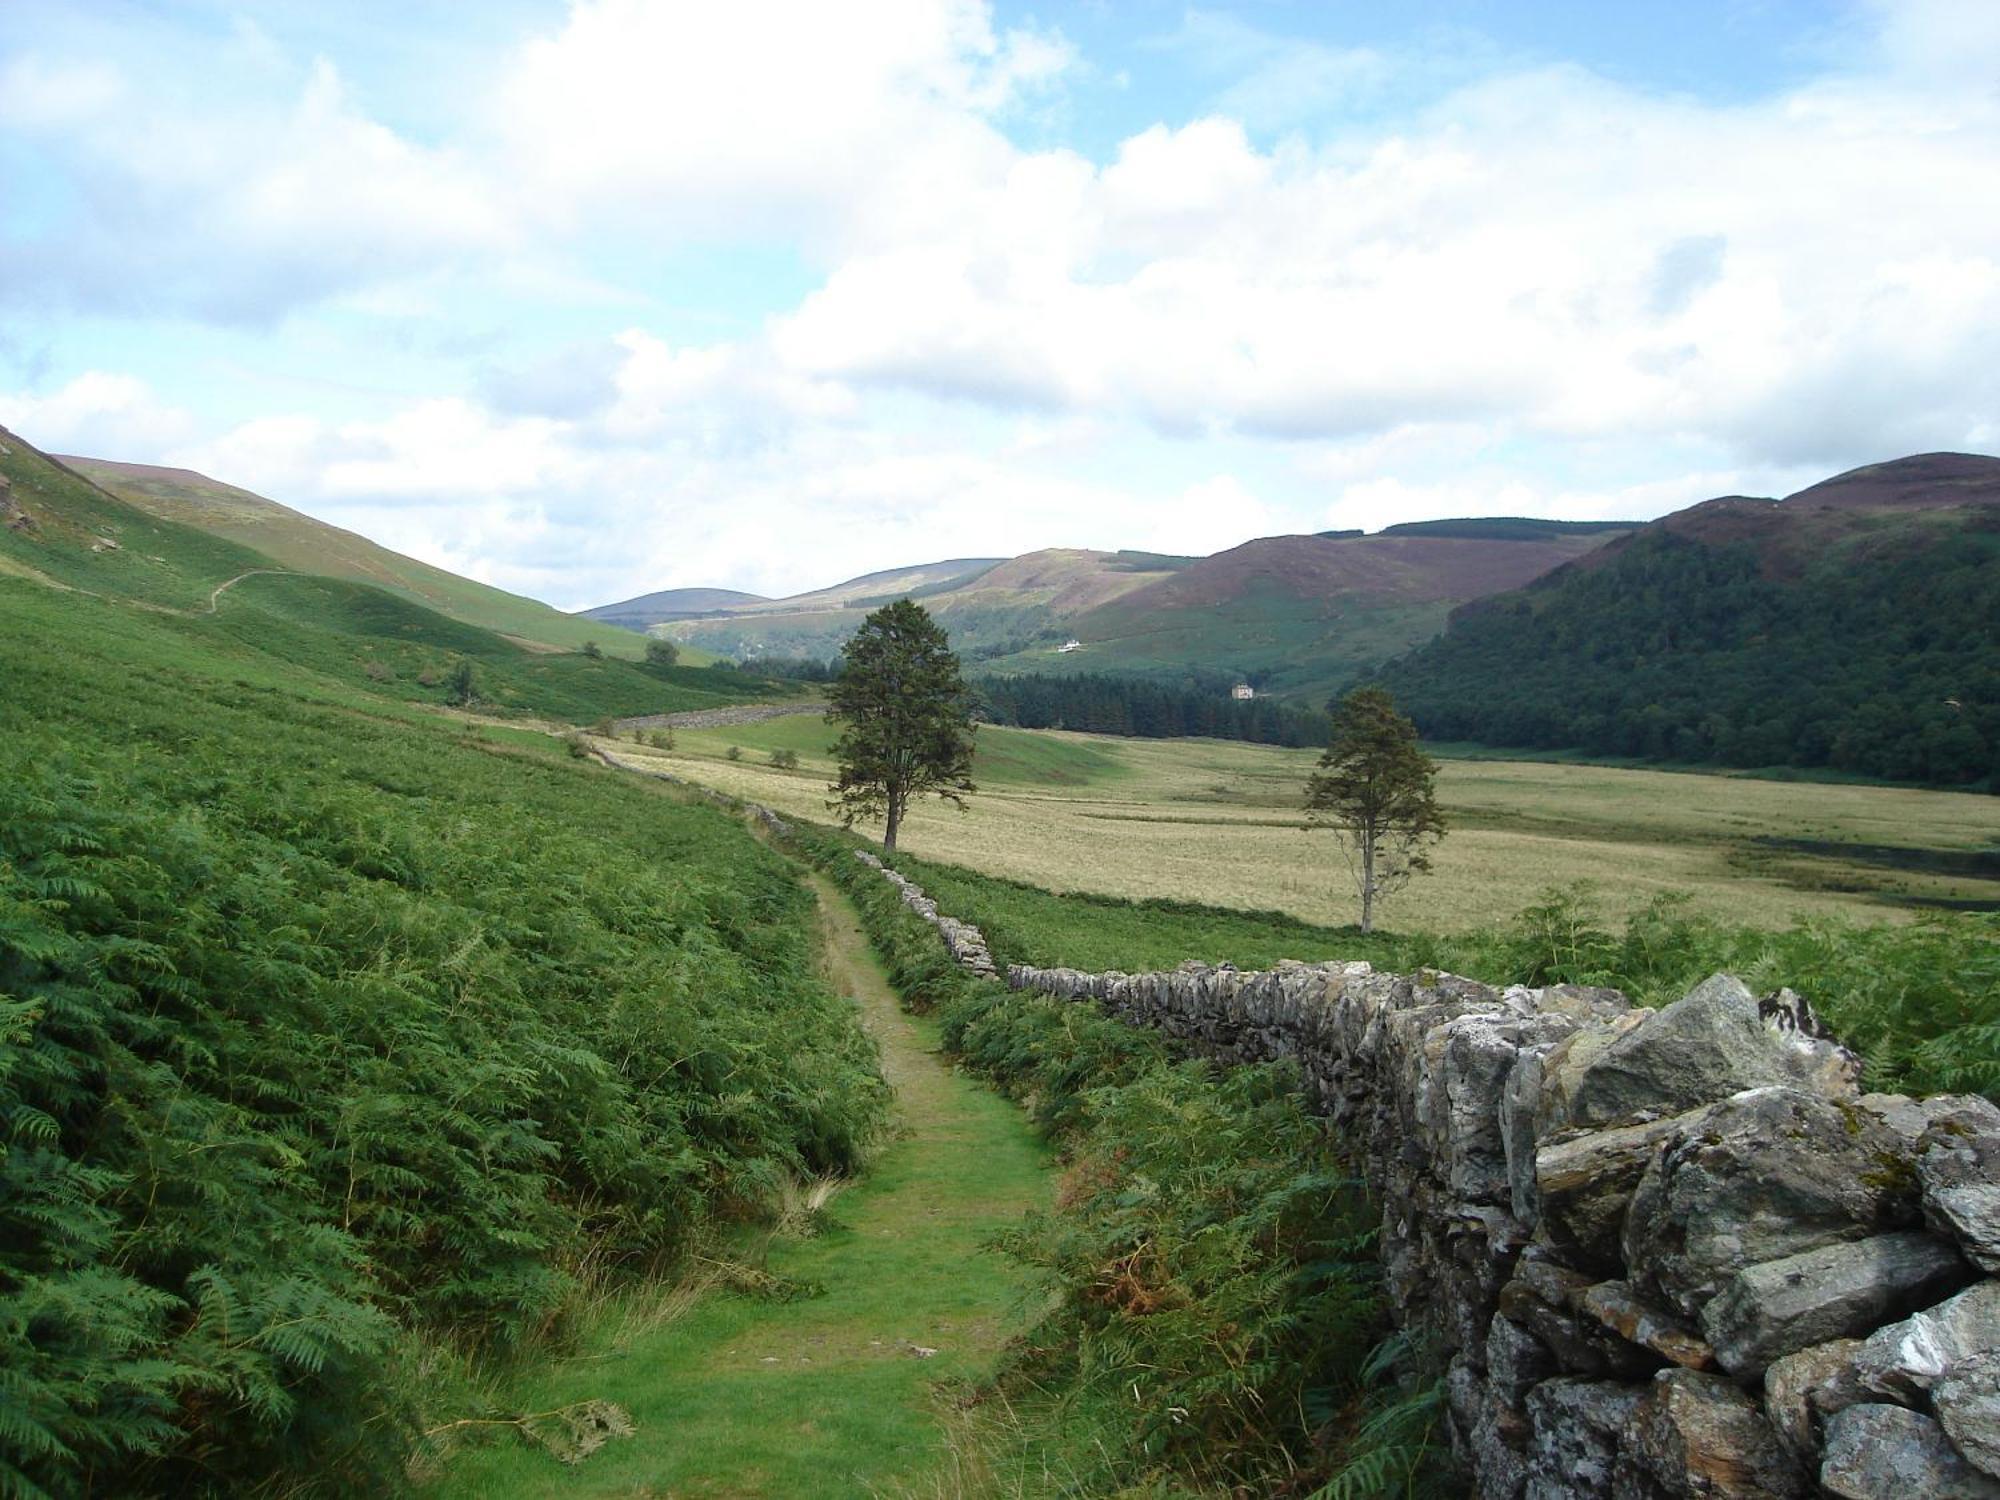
1217 823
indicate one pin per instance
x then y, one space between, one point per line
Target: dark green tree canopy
905 717
1374 790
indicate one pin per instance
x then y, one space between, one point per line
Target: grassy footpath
739 1395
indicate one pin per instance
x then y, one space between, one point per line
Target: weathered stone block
1490 1435
1967 1403
1782 1306
1618 1307
1584 1186
1699 1436
1541 1298
1802 1390
1515 1360
1713 1042
1904 1360
1876 1452
1766 1174
1574 1427
1958 1171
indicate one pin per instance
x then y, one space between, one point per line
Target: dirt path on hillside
835 1394
215 595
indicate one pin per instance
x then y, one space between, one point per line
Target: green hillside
56 525
1850 626
60 529
337 1042
1299 616
304 545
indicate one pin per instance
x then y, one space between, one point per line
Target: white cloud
763 116
96 415
228 205
1548 250
1002 348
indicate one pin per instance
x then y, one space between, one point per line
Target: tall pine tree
906 719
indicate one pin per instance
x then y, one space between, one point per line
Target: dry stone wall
1658 1254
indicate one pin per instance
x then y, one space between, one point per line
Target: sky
592 298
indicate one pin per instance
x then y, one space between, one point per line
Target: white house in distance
1243 692
1068 646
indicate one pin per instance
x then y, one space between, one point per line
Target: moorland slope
299 542
61 530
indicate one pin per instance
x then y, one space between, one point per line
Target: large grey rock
1766 1174
1698 1435
1902 1361
1713 1042
1802 1390
1911 1118
1876 1452
1967 1403
1958 1171
1574 1428
1782 1306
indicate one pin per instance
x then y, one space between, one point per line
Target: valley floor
738 1395
1218 822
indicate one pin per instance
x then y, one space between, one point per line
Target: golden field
1217 822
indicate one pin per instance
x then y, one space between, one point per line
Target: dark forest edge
1109 704
1884 665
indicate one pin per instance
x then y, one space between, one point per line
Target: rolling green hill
1849 626
59 529
304 545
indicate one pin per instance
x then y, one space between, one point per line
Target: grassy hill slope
57 525
58 528
336 1042
304 545
1850 625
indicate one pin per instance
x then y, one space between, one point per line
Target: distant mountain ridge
1854 625
671 604
1297 615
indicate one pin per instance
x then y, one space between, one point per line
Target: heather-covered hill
1297 615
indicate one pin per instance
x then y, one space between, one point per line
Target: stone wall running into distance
1657 1253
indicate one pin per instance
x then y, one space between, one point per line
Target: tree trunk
895 821
1367 884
